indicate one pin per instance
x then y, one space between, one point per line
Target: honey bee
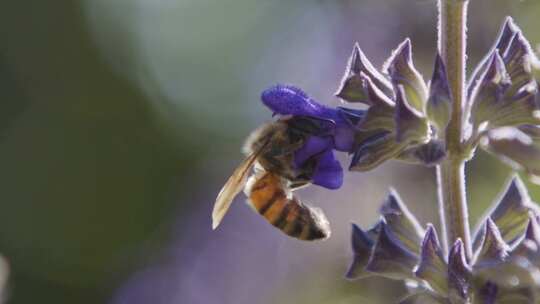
270 152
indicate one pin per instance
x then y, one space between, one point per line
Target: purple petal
313 146
289 100
328 173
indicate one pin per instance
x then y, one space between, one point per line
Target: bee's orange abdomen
286 213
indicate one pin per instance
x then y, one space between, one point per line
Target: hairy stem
450 174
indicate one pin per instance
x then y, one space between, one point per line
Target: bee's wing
233 186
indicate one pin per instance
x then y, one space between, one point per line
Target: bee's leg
295 185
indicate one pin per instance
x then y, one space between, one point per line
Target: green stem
450 174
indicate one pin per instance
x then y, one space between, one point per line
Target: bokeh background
121 119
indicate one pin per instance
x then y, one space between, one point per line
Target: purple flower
288 100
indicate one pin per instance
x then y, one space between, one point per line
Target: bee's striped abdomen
288 214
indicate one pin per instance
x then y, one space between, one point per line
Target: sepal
374 149
401 223
390 258
362 245
352 87
506 35
402 72
380 114
459 273
433 268
411 124
494 249
439 103
511 212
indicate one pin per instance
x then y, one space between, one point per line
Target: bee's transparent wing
233 186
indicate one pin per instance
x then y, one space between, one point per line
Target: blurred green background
121 119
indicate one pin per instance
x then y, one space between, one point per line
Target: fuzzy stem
450 174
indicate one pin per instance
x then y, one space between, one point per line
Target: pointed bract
459 273
513 101
352 87
361 246
506 34
380 114
439 103
511 212
411 125
490 90
433 268
402 72
375 149
493 250
401 223
390 258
